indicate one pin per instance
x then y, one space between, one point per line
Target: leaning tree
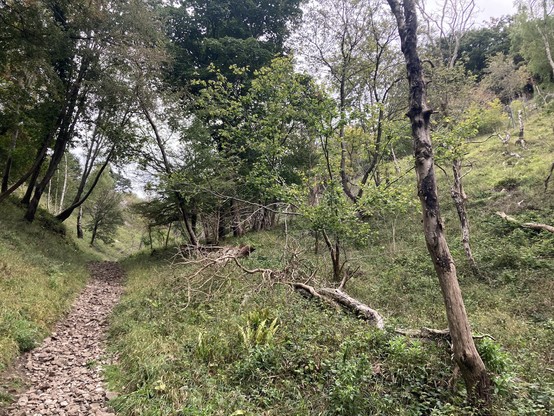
465 354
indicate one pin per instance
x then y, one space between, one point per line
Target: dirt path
63 375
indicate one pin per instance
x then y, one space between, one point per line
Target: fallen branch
221 256
531 225
360 309
434 334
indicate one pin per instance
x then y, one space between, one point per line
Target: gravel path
63 375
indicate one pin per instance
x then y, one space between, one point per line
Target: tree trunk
460 198
75 102
167 235
547 180
334 252
9 162
167 167
520 140
238 230
64 187
94 231
80 223
33 181
465 354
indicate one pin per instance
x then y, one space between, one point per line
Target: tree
354 44
465 354
104 211
479 44
226 32
533 33
29 90
504 78
87 50
446 27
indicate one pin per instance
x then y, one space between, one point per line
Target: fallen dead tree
206 257
531 225
433 334
338 297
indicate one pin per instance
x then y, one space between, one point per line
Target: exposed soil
64 375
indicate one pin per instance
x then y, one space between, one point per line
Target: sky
495 8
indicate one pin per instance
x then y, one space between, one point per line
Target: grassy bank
41 271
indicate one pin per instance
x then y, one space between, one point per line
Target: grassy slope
184 353
41 271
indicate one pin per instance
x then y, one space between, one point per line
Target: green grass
41 271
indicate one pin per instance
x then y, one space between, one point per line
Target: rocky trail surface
64 375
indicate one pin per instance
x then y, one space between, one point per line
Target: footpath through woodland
64 375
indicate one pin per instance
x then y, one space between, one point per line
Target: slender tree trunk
48 198
395 160
520 139
334 252
94 231
9 162
75 102
465 354
459 197
64 187
167 235
167 166
34 170
238 231
342 109
80 223
375 158
57 190
32 182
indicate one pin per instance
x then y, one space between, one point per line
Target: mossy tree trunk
467 358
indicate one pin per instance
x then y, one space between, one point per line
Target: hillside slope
41 272
197 340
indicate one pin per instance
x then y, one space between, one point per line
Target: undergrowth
243 345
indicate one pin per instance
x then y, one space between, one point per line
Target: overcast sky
494 8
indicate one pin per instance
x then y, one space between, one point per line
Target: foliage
478 44
504 78
226 33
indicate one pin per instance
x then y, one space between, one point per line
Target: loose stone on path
63 375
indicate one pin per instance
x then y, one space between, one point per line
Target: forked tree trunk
334 253
465 354
459 197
